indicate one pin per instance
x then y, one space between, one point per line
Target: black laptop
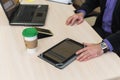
24 14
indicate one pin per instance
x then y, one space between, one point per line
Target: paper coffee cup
30 39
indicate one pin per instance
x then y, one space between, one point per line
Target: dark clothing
101 32
113 38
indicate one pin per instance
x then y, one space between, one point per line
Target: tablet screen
63 51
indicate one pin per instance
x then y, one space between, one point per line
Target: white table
16 64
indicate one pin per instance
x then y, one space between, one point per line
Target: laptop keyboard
26 13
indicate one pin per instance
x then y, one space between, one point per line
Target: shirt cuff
108 44
81 11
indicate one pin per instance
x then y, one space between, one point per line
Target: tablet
62 53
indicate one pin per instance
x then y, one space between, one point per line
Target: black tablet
62 53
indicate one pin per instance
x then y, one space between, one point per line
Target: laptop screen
9 6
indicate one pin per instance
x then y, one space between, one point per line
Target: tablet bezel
63 64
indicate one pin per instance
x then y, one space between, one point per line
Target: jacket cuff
108 44
81 11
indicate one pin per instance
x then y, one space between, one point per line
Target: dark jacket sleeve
89 5
114 39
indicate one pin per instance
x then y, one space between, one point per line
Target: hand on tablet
89 52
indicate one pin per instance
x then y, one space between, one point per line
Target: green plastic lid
29 32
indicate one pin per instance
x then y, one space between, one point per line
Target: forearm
89 6
114 40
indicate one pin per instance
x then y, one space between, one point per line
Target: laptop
24 14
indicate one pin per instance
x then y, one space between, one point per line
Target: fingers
86 54
74 19
71 21
88 58
81 51
80 20
82 56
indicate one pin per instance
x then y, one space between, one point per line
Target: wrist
81 14
104 47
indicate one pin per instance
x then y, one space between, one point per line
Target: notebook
24 14
62 54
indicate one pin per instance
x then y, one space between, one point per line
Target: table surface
17 64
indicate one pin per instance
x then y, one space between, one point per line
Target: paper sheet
62 1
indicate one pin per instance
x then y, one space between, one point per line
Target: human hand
76 18
89 52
